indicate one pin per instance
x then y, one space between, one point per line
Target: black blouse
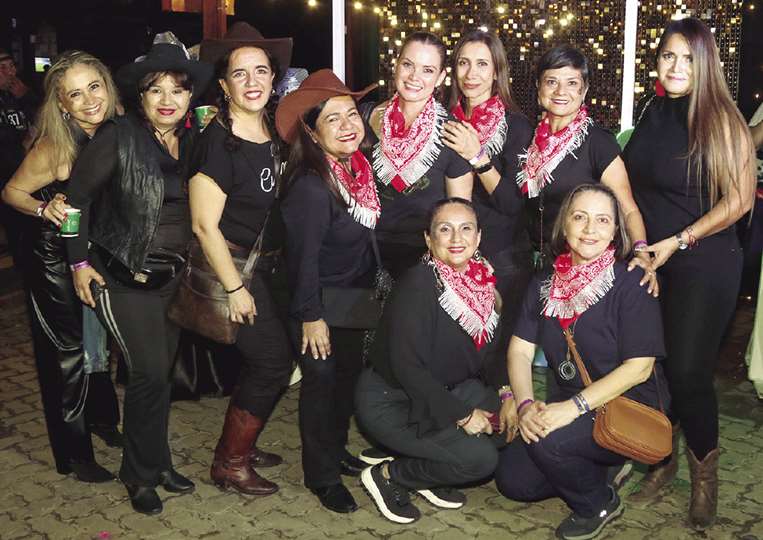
247 178
324 245
96 165
584 166
501 213
420 348
626 323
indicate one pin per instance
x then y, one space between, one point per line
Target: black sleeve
506 196
639 327
91 172
603 149
412 332
212 159
528 323
306 212
457 166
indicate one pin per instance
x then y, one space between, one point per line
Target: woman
422 397
692 164
618 332
231 196
492 135
129 184
79 96
329 210
569 149
412 168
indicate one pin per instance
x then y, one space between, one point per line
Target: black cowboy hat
243 34
166 54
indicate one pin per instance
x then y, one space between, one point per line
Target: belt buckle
140 277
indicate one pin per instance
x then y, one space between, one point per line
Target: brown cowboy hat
317 88
243 34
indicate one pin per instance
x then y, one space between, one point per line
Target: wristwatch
485 168
681 244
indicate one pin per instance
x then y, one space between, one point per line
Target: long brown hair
50 123
501 84
715 123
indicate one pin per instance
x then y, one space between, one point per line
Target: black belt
160 268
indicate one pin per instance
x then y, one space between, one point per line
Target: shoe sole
437 501
225 486
611 517
370 486
374 461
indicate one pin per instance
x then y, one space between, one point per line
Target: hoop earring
66 116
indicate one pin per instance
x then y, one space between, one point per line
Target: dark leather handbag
159 268
201 303
627 427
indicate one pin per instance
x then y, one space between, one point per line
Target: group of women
497 235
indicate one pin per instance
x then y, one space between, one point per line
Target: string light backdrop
530 27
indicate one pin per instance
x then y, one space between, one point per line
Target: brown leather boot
704 489
659 475
230 467
262 459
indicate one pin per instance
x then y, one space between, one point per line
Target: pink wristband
506 395
639 244
525 402
78 266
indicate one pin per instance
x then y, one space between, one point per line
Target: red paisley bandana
469 298
573 289
489 119
548 150
358 189
402 156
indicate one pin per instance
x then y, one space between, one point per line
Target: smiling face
83 94
475 72
453 235
339 128
590 225
674 67
418 71
561 91
248 81
165 102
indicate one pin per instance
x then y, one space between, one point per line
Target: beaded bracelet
692 239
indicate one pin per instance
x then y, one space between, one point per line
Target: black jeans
326 403
137 320
266 353
448 457
566 464
698 292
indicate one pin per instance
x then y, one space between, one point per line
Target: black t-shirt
626 323
324 245
501 213
584 166
16 114
246 176
420 348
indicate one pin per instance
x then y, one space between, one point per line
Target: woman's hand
82 279
241 306
644 260
462 138
478 422
509 420
662 251
531 425
558 415
315 334
54 210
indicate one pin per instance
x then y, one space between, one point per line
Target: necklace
566 369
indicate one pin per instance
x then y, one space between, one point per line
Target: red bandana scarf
573 289
548 150
358 189
489 119
469 298
402 156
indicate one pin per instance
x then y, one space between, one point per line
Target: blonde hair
51 125
715 123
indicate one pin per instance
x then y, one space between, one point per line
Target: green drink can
70 225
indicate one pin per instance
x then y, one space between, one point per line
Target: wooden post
214 17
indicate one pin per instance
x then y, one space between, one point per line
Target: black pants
698 292
326 403
448 457
137 320
266 353
566 464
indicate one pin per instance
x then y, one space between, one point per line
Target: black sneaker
576 527
444 497
374 456
391 498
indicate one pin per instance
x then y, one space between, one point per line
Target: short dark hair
436 207
181 79
563 56
622 241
